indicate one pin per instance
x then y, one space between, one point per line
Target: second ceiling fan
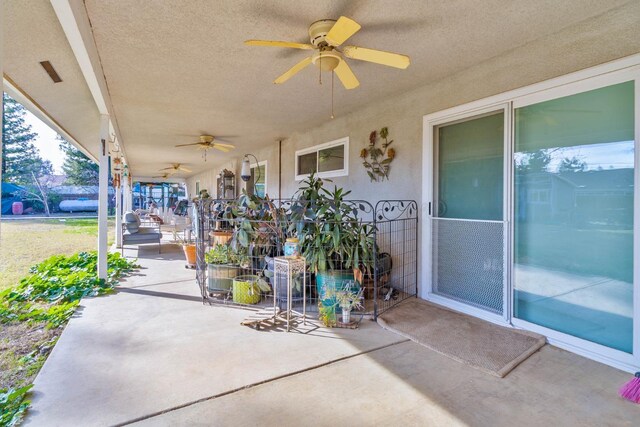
176 167
326 36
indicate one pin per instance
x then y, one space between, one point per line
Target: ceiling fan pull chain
332 73
320 68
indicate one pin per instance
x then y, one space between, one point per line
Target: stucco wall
575 48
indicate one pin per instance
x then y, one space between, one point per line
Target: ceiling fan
207 141
163 176
326 36
176 167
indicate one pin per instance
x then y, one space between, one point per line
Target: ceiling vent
51 71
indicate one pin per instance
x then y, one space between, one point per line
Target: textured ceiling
176 69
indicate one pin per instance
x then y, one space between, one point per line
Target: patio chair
134 234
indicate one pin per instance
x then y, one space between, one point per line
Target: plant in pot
346 296
349 299
223 266
332 238
258 227
258 233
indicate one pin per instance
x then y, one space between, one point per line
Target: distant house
593 196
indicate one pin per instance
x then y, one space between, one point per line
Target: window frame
316 149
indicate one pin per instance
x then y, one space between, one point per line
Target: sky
609 155
46 142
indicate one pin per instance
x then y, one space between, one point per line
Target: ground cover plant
26 242
33 314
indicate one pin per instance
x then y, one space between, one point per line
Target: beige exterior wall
403 114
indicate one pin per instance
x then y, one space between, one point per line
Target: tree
20 158
573 164
80 169
39 191
535 161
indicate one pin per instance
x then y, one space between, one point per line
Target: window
197 188
326 160
258 187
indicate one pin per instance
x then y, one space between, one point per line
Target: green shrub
54 287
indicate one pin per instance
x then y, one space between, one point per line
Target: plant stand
290 266
263 318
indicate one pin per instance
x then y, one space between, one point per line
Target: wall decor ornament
377 160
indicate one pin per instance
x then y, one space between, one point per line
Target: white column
119 216
103 196
125 194
130 198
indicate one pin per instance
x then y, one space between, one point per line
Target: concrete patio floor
152 354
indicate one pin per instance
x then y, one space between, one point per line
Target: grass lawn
24 243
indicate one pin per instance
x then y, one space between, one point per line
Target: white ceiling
176 69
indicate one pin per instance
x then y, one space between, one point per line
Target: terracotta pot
190 253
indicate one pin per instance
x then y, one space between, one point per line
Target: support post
125 195
119 216
103 196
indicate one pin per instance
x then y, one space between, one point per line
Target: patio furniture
134 234
179 227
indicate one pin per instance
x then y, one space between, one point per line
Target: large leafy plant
260 227
330 233
13 405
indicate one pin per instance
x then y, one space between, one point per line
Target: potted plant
346 295
349 299
258 228
246 289
223 265
332 238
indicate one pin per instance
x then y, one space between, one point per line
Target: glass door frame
430 205
622 70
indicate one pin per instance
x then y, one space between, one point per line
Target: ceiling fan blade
225 145
186 145
293 70
341 31
377 56
183 169
166 169
277 43
346 76
223 149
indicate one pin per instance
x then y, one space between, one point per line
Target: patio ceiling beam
77 28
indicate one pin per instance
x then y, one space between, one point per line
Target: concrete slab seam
248 386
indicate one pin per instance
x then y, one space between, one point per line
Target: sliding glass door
468 225
573 215
535 213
